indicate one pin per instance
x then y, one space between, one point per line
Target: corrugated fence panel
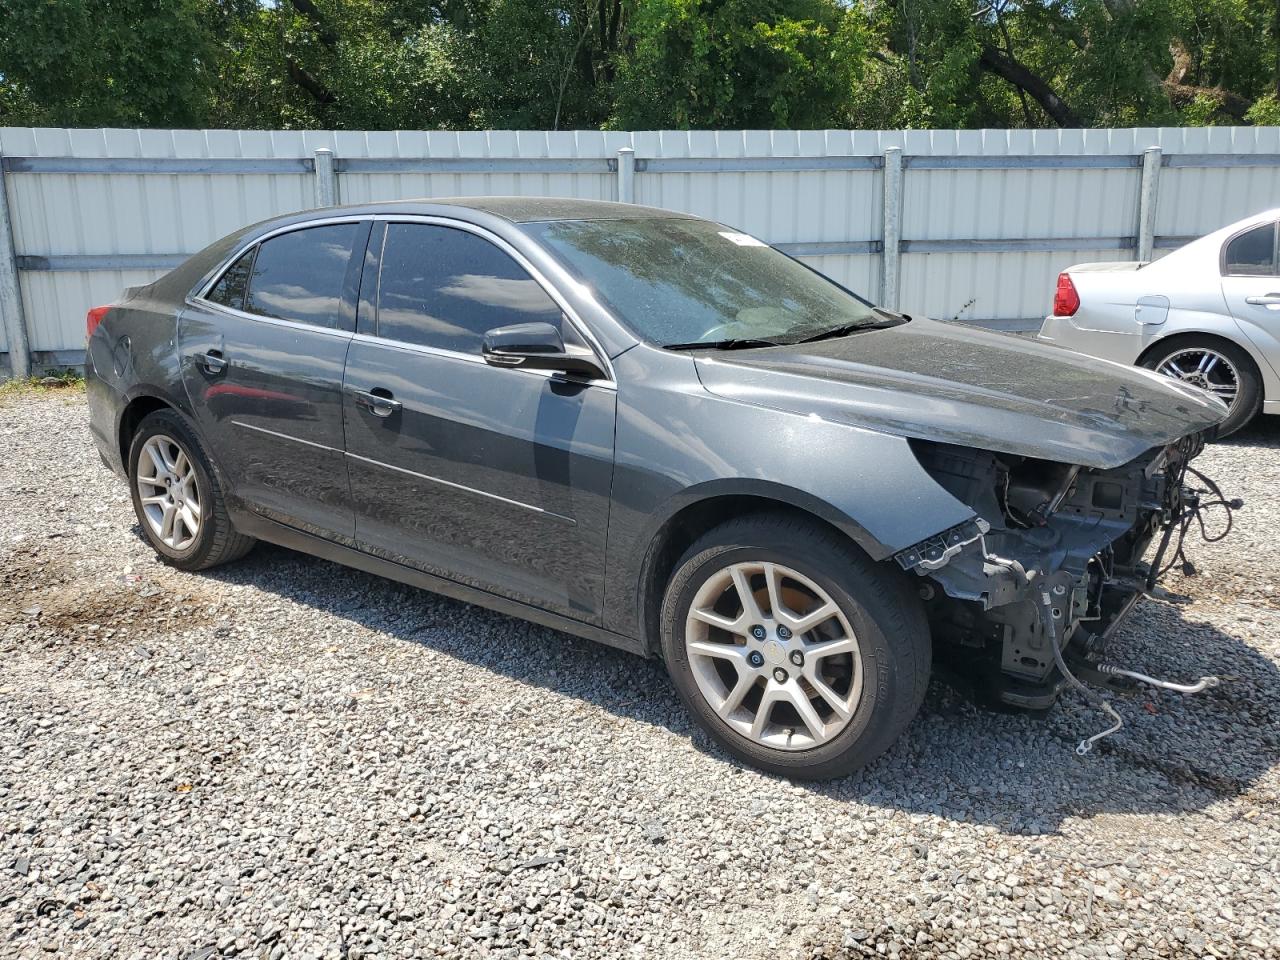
414 148
987 286
987 220
62 299
1198 200
81 213
1004 203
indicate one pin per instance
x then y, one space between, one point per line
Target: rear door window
300 275
1253 253
442 287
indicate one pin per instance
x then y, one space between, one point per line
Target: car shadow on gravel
1263 431
1014 772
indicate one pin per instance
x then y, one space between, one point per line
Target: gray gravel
285 758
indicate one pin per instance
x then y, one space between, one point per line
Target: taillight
1065 299
93 318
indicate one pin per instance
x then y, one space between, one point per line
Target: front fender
677 444
783 494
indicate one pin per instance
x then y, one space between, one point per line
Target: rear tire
1229 365
829 706
177 496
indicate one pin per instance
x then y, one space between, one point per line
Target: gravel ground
286 758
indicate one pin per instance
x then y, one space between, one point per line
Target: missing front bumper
1050 572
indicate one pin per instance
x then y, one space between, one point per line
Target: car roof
530 209
516 209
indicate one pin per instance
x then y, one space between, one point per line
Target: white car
1207 314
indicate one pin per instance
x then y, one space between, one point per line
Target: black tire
1249 395
217 540
880 605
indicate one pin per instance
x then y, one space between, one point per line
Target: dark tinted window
1253 254
230 290
299 275
441 287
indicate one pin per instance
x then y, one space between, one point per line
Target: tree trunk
1016 73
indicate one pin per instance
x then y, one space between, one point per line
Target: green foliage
475 64
738 63
54 379
1265 111
104 62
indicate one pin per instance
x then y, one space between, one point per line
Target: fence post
626 175
891 261
11 291
1147 203
326 179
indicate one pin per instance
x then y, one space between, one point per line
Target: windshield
692 281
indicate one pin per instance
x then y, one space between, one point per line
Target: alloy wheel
166 481
1204 368
773 655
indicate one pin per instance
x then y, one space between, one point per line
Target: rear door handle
378 401
1270 300
212 361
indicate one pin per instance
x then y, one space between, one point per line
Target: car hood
960 384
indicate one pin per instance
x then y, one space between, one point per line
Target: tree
105 62
1084 63
474 64
738 63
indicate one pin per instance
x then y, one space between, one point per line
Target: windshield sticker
742 239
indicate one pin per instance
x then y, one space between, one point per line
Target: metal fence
969 225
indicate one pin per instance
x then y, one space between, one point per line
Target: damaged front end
1051 564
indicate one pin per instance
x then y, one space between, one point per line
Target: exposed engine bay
1052 564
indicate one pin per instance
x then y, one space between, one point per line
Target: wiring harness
1192 512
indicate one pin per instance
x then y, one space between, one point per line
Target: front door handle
378 401
1270 300
212 362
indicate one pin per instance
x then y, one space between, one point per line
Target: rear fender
1255 340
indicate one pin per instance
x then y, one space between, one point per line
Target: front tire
792 649
1218 366
177 497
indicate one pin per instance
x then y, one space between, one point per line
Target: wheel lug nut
797 658
758 632
756 659
784 633
780 675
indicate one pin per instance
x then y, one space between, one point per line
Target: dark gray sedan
656 432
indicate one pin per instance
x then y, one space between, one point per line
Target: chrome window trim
446 354
201 290
198 294
538 276
275 321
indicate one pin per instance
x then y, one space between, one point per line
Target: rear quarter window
1252 253
230 290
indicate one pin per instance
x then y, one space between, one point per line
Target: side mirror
538 346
